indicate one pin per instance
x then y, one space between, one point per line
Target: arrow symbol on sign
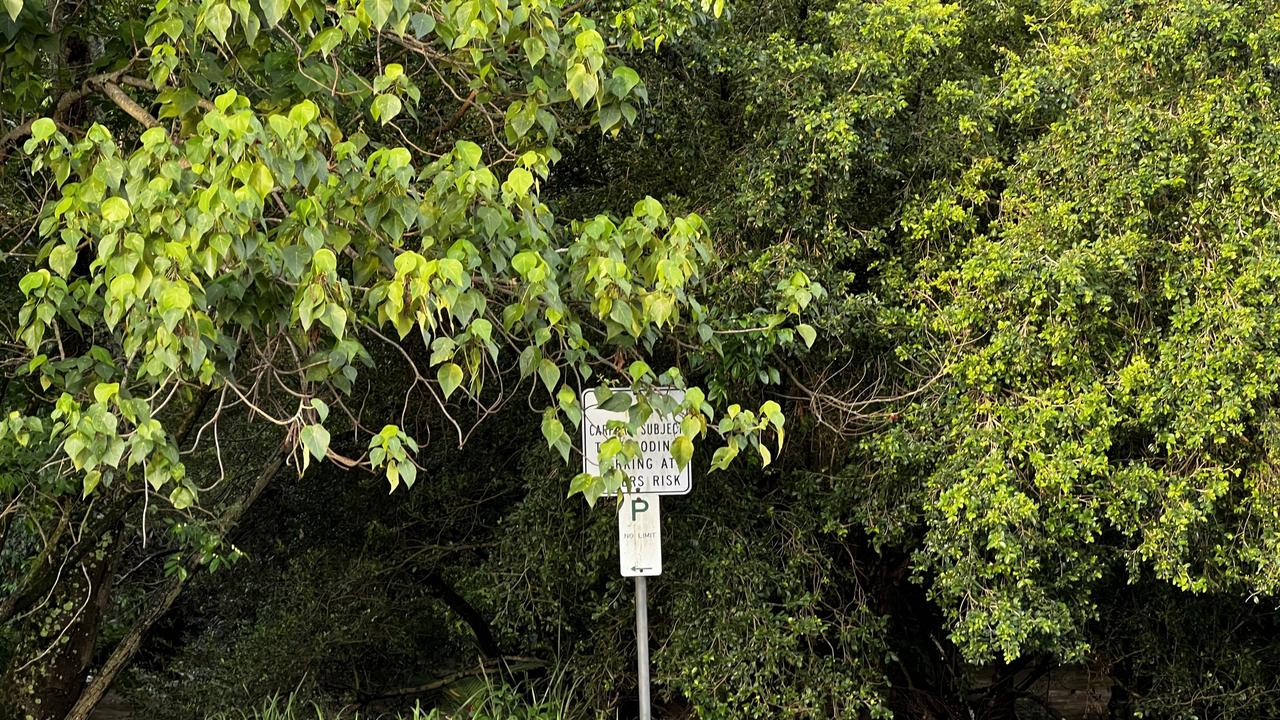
639 569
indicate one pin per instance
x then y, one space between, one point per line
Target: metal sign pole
653 475
642 644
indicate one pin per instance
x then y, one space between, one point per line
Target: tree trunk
49 669
159 604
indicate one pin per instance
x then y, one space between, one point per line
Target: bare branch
127 104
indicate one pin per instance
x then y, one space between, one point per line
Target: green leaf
316 440
153 137
115 210
583 84
520 180
553 431
638 370
773 412
609 116
103 392
217 20
423 23
650 207
335 318
534 50
568 401
550 374
552 428
281 124
182 498
593 491
661 307
261 181
450 377
321 407
62 259
406 262
626 77
765 456
469 152
692 425
91 480
450 270
303 113
618 402
379 11
442 349
589 42
529 358
682 451
521 117
325 41
173 304
13 7
324 261
623 315
525 261
224 101
157 475
386 107
590 486
723 456
175 297
33 280
808 333
44 128
273 10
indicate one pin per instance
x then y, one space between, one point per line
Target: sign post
653 474
640 556
642 644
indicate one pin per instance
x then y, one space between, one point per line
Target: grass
488 701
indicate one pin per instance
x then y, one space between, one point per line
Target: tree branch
143 84
13 136
161 601
485 641
64 103
109 85
127 104
457 116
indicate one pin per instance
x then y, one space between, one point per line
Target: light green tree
272 198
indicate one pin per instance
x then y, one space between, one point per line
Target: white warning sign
654 470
